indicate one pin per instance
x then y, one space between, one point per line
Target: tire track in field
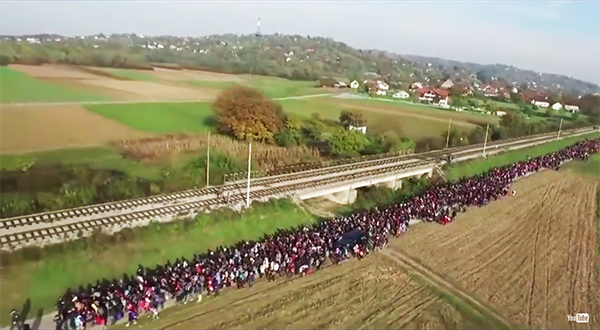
583 262
575 233
534 259
438 282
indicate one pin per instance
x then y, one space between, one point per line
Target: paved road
6 106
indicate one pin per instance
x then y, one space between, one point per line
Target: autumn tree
352 118
248 115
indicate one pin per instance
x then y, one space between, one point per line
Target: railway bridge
337 183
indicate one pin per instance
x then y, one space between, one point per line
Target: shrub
344 142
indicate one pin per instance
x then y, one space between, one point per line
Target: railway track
74 230
51 226
149 203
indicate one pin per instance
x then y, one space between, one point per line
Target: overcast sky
549 36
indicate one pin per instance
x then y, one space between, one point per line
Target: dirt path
440 283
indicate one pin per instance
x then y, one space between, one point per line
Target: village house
434 95
557 106
401 95
500 113
467 91
572 108
489 91
447 84
540 101
380 92
382 86
354 84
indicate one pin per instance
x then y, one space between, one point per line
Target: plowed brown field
528 260
35 128
533 256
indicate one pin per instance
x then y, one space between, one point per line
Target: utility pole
448 136
486 137
559 129
208 162
249 169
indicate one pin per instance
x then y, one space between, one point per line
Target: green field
425 109
132 75
19 87
475 167
279 87
270 86
386 117
43 275
590 168
162 118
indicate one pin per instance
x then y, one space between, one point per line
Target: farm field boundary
436 281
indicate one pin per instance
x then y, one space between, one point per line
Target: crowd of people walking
290 252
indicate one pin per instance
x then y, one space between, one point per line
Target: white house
380 92
354 84
557 106
362 129
541 104
382 86
401 95
500 113
572 108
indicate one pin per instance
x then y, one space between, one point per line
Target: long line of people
290 251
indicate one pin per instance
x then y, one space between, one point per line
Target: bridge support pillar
345 197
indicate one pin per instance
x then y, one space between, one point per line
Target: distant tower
258 28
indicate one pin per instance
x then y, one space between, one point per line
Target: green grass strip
479 166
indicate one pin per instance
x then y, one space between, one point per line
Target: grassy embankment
42 275
19 87
479 166
95 158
